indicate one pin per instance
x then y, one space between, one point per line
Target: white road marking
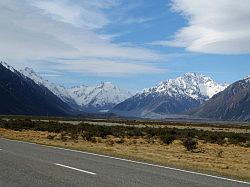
0 149
137 162
91 173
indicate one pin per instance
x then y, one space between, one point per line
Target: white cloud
87 14
35 30
136 20
106 67
128 13
215 26
49 75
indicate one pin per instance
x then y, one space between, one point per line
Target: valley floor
227 160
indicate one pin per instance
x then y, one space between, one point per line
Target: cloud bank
52 30
215 26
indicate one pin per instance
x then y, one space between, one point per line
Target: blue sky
134 44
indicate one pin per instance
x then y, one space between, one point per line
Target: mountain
100 98
174 96
19 95
231 104
58 90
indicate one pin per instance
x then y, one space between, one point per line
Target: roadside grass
223 153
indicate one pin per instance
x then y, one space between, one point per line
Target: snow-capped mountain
19 95
58 90
231 104
88 98
174 96
99 98
7 66
196 86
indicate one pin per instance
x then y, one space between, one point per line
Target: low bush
86 136
237 138
51 137
63 137
110 142
89 131
215 138
167 138
190 143
120 141
74 136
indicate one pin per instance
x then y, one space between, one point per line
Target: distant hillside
231 104
19 95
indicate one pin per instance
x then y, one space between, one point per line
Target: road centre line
76 169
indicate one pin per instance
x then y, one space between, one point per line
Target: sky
134 44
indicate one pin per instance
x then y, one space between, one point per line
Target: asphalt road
27 164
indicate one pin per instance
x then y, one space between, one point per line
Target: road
28 164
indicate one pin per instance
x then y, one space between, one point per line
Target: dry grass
228 160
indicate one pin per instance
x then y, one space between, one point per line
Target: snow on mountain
101 97
174 96
19 95
58 90
247 78
190 89
232 104
80 94
196 86
8 66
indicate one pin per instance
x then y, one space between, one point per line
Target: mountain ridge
22 96
58 90
27 93
174 96
231 104
100 98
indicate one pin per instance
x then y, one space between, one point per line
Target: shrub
151 134
63 137
247 145
93 140
74 136
167 138
190 143
87 136
110 142
51 137
216 138
120 141
220 154
237 138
